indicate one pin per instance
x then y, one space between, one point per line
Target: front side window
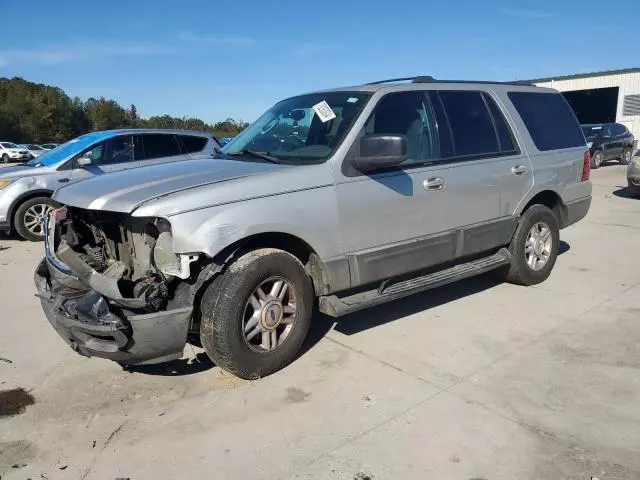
158 145
304 129
549 120
408 114
113 151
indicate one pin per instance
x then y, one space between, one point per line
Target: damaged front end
112 287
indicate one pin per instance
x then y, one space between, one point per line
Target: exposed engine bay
128 260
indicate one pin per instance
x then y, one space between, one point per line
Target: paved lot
474 381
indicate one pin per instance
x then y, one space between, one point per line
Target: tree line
36 113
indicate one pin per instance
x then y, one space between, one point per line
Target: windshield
34 147
302 129
67 150
591 131
9 145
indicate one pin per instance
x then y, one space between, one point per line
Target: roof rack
430 79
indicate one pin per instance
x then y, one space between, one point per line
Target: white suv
12 152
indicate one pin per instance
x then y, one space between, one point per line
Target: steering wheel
291 142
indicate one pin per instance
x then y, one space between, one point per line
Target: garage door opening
598 105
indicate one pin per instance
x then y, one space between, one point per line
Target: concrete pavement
478 380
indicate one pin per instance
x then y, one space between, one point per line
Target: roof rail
403 79
430 79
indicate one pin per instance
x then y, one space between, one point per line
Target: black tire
5 158
634 190
596 160
19 218
223 312
519 272
627 153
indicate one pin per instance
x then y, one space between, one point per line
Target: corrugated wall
629 84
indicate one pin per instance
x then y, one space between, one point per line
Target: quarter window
549 120
618 129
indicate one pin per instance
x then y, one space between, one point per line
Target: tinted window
549 119
618 129
470 123
158 145
407 113
192 143
505 137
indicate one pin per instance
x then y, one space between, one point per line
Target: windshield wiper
253 153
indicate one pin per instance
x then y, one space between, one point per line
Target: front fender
311 215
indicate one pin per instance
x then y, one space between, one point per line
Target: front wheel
29 217
626 156
5 158
596 160
534 247
255 316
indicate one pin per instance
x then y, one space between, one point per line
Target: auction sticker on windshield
323 110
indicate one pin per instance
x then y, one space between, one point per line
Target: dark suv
608 141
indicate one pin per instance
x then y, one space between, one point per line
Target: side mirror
381 151
83 162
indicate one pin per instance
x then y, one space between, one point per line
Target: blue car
225 140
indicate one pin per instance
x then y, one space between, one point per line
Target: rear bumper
94 328
575 211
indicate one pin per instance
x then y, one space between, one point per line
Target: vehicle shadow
375 317
624 192
175 368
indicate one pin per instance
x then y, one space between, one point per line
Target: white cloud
229 40
527 14
55 55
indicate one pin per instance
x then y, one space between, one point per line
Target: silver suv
355 197
25 190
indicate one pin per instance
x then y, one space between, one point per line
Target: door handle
519 170
434 183
63 180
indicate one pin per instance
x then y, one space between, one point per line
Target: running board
389 290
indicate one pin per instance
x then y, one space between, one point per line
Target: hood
17 171
126 190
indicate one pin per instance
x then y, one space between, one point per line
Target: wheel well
27 196
549 199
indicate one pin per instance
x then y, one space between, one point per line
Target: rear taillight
586 166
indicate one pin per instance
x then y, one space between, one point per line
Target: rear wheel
534 247
255 316
627 153
29 217
596 160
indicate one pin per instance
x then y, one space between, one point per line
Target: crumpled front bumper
92 326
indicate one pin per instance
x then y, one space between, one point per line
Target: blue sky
213 59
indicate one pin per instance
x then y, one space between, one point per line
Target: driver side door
108 156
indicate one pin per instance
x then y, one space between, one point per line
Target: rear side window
192 144
549 119
157 145
505 137
618 129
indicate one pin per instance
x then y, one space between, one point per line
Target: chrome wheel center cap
271 315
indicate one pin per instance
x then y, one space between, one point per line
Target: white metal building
602 97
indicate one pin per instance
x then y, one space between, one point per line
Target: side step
389 290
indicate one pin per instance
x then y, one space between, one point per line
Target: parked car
34 150
633 175
225 140
385 191
10 152
25 191
49 146
608 141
